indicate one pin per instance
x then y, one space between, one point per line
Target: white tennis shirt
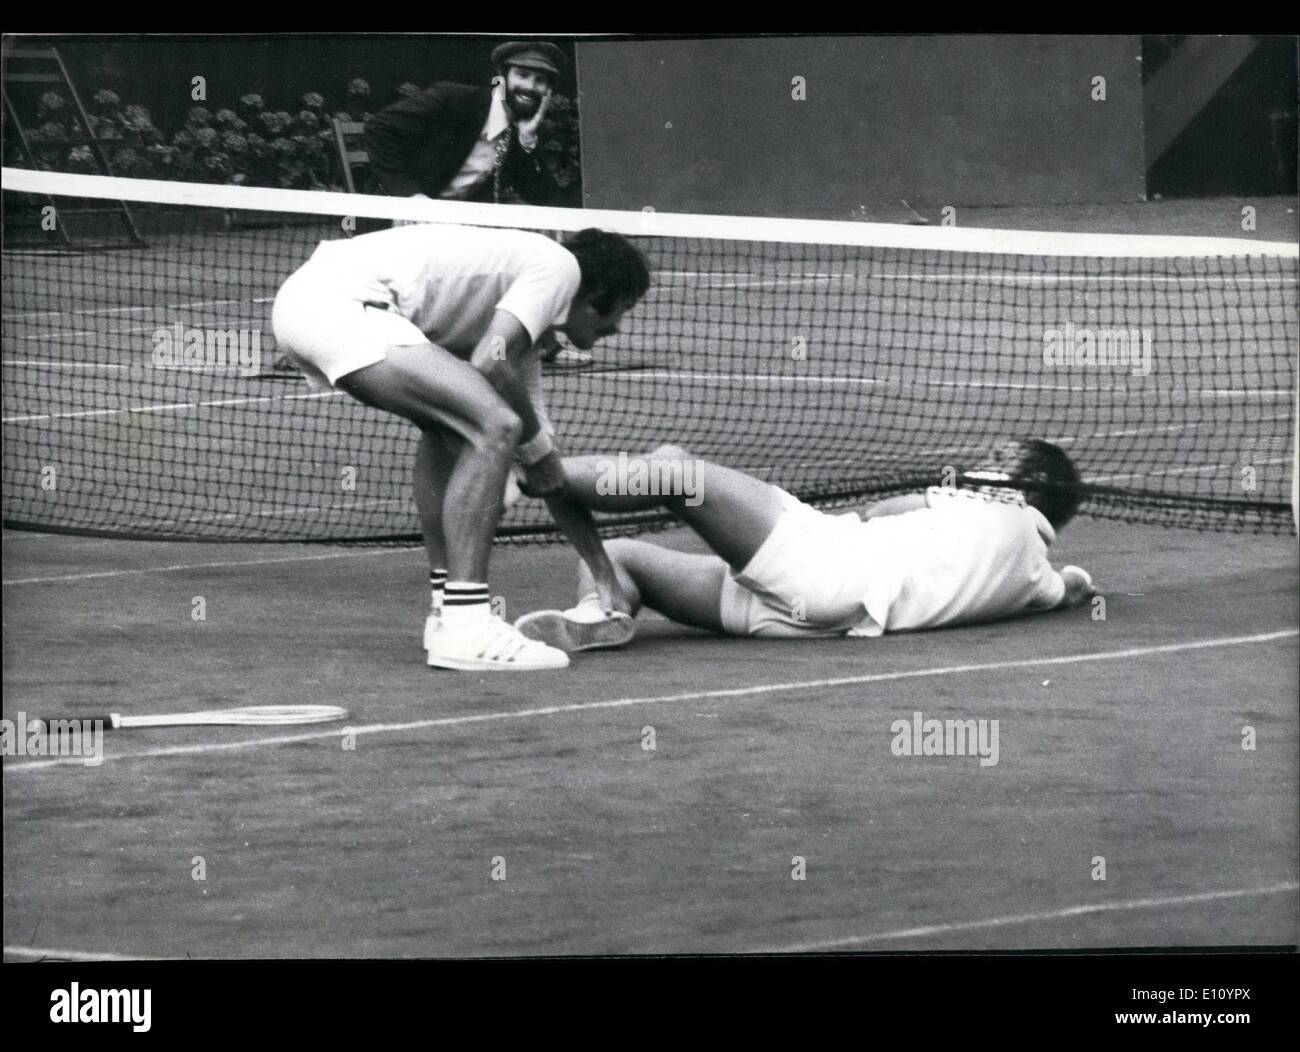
962 558
448 280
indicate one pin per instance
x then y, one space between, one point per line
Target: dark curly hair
613 269
1040 470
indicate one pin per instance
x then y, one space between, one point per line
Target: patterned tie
502 147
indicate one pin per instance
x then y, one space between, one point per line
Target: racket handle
112 720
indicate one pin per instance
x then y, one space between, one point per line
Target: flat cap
531 55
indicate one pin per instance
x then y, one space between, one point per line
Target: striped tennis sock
465 601
437 585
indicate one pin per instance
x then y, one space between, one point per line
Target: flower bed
245 144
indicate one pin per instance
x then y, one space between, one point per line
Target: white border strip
652 224
502 715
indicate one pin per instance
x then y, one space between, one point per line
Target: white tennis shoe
488 644
578 628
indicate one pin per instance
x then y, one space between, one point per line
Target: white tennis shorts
329 335
809 578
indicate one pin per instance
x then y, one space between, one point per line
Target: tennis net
144 395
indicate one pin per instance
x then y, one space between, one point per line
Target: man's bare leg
732 512
685 588
437 391
734 515
435 457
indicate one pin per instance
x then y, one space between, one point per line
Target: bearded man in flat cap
463 143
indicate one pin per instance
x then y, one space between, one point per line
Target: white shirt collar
498 119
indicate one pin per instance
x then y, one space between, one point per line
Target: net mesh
838 361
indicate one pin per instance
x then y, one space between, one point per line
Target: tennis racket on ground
248 716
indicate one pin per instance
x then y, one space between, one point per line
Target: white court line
1199 469
171 407
19 315
40 953
634 376
47 335
1131 432
849 941
274 513
748 278
75 334
50 364
34 953
992 277
1060 440
503 715
235 372
1063 440
205 566
641 375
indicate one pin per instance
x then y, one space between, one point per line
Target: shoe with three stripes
488 644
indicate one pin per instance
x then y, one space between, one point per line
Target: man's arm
577 525
531 370
502 357
399 138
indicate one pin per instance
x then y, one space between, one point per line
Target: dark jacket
417 146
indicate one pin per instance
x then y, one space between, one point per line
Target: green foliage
562 155
128 135
247 143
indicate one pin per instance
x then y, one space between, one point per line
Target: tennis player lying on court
438 324
951 555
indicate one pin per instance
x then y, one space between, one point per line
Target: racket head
245 716
257 715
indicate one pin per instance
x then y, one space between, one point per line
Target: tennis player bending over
950 555
438 324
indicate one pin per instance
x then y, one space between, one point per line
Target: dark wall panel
710 125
